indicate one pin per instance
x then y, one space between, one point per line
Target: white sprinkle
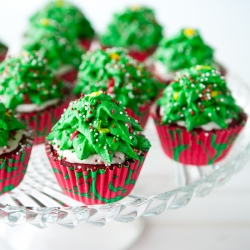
209 114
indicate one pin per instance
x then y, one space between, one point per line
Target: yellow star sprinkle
114 56
199 67
45 21
8 114
94 94
189 32
176 95
135 7
59 3
214 93
102 130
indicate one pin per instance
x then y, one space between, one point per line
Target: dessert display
63 54
15 148
184 50
125 79
3 51
74 23
29 87
197 118
96 150
136 29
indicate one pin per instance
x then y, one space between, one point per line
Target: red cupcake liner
96 187
3 55
197 147
85 43
13 168
144 114
69 77
43 121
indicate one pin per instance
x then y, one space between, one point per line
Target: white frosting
95 159
32 107
161 70
207 127
12 143
64 69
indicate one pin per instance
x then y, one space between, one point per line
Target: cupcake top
135 28
58 50
48 26
97 124
68 15
198 95
112 70
184 50
28 79
9 126
3 47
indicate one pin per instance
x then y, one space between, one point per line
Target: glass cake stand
163 184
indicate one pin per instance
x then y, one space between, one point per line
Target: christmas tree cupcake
96 150
128 81
63 54
135 29
197 119
70 17
184 50
29 87
15 148
3 51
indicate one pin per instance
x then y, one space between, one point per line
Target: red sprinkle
74 134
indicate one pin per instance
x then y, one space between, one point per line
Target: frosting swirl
28 79
184 50
8 126
69 16
114 71
198 95
97 124
135 28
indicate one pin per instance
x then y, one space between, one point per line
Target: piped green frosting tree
113 71
69 16
8 125
198 95
184 50
97 124
134 28
28 79
50 40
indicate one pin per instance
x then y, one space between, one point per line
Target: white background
222 220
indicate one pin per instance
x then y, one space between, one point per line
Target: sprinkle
209 114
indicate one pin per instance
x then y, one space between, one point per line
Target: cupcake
96 150
63 54
29 87
116 73
3 51
184 50
197 119
135 29
74 23
15 149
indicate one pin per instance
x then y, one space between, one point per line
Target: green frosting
199 95
114 71
58 50
28 79
8 125
184 50
3 48
69 16
97 124
135 28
